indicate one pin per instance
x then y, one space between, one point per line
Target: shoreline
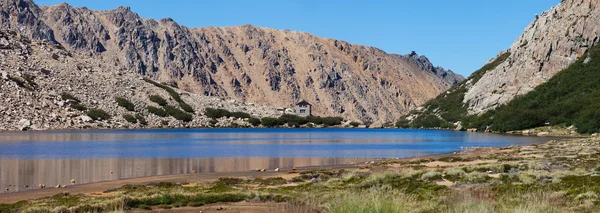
102 186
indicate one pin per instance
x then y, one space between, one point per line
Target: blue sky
456 34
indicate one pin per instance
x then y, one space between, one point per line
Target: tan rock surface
245 63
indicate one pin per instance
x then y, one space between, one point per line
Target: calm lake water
55 157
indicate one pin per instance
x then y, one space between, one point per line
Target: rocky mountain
246 63
553 41
36 75
521 87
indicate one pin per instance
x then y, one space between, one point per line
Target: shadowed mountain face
251 64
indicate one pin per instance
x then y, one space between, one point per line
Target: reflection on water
55 157
22 174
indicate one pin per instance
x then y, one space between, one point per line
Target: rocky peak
424 64
553 41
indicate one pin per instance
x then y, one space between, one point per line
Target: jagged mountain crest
248 63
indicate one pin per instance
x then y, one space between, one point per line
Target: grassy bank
558 176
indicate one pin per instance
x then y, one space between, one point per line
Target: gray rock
85 118
24 124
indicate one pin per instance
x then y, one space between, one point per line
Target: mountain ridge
246 63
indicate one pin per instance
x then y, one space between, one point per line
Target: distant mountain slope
247 63
551 43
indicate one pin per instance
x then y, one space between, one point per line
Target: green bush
186 107
354 124
315 119
67 96
122 102
158 100
254 121
157 111
213 122
332 121
240 115
270 122
141 119
178 114
21 83
216 113
130 118
98 114
79 107
292 120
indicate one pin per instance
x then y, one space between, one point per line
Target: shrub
79 107
403 123
332 121
30 80
216 113
178 114
292 120
164 122
354 124
67 96
269 122
254 121
240 115
98 114
157 111
122 102
130 118
186 107
213 122
141 119
158 100
21 83
170 90
315 119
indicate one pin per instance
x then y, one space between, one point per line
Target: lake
55 157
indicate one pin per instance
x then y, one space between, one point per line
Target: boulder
472 130
85 118
24 124
459 128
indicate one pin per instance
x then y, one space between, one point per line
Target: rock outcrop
245 63
553 41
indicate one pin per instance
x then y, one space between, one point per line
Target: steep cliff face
552 42
246 63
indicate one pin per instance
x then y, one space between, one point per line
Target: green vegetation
68 96
354 124
571 97
98 114
158 100
122 102
24 83
448 107
219 113
157 111
141 119
186 107
130 118
269 122
173 94
332 121
79 107
178 114
254 121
